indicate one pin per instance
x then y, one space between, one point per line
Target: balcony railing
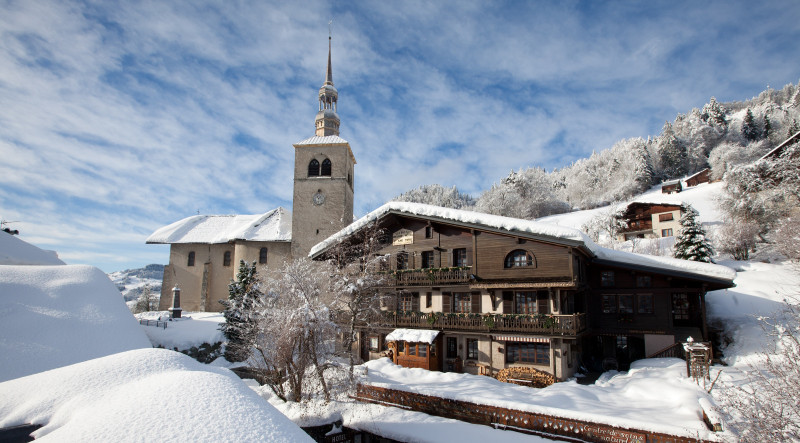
544 324
429 276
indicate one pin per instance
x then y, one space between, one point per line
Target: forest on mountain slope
720 136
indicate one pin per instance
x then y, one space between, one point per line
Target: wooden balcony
429 276
562 325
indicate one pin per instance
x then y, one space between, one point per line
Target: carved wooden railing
429 276
545 324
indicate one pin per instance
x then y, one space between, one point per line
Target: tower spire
327 121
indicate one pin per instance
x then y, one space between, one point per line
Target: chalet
778 150
479 293
671 186
650 220
699 177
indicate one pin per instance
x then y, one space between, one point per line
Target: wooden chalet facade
650 220
490 292
699 177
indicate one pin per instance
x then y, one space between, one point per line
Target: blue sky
117 118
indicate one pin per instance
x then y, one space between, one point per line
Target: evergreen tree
691 243
750 131
672 153
767 127
714 114
238 327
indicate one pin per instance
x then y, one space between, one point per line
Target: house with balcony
477 293
650 220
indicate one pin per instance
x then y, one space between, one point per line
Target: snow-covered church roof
529 228
275 225
323 140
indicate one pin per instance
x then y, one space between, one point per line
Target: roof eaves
665 271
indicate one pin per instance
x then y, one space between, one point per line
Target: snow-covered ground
192 329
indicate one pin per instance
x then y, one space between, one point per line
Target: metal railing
157 323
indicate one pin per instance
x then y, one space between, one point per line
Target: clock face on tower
319 198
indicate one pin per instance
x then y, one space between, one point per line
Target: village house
671 186
698 177
650 220
478 293
205 250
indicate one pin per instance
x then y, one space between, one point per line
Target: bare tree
766 407
738 239
357 278
147 301
294 329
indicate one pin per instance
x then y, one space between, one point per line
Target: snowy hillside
131 282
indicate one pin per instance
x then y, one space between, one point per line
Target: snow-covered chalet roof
413 335
275 225
671 182
531 229
326 140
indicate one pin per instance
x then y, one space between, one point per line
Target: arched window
262 256
226 259
313 168
518 258
190 262
326 168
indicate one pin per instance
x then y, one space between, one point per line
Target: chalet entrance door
681 309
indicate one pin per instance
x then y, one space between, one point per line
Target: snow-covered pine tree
714 114
767 126
750 130
691 243
238 307
793 128
671 152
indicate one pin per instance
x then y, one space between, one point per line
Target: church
205 249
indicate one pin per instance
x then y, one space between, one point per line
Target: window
625 304
462 302
402 260
313 168
680 306
326 168
607 279
401 347
519 258
609 304
452 347
665 217
406 302
644 303
226 259
427 259
525 302
423 350
412 349
666 232
537 353
460 257
428 231
472 349
262 256
373 344
428 300
644 281
190 262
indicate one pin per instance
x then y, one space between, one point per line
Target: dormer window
313 168
326 168
519 258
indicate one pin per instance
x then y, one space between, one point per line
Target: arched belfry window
519 258
313 168
326 168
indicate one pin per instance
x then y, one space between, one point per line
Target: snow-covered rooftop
15 251
275 225
143 395
52 316
528 227
326 140
413 335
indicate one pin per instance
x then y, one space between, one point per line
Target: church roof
275 225
326 140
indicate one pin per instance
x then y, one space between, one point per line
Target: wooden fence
522 421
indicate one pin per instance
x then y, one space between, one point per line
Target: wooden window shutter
508 302
446 303
415 302
475 298
543 299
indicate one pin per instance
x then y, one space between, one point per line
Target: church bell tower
323 175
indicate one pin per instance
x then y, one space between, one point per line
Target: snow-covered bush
438 195
787 238
737 239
